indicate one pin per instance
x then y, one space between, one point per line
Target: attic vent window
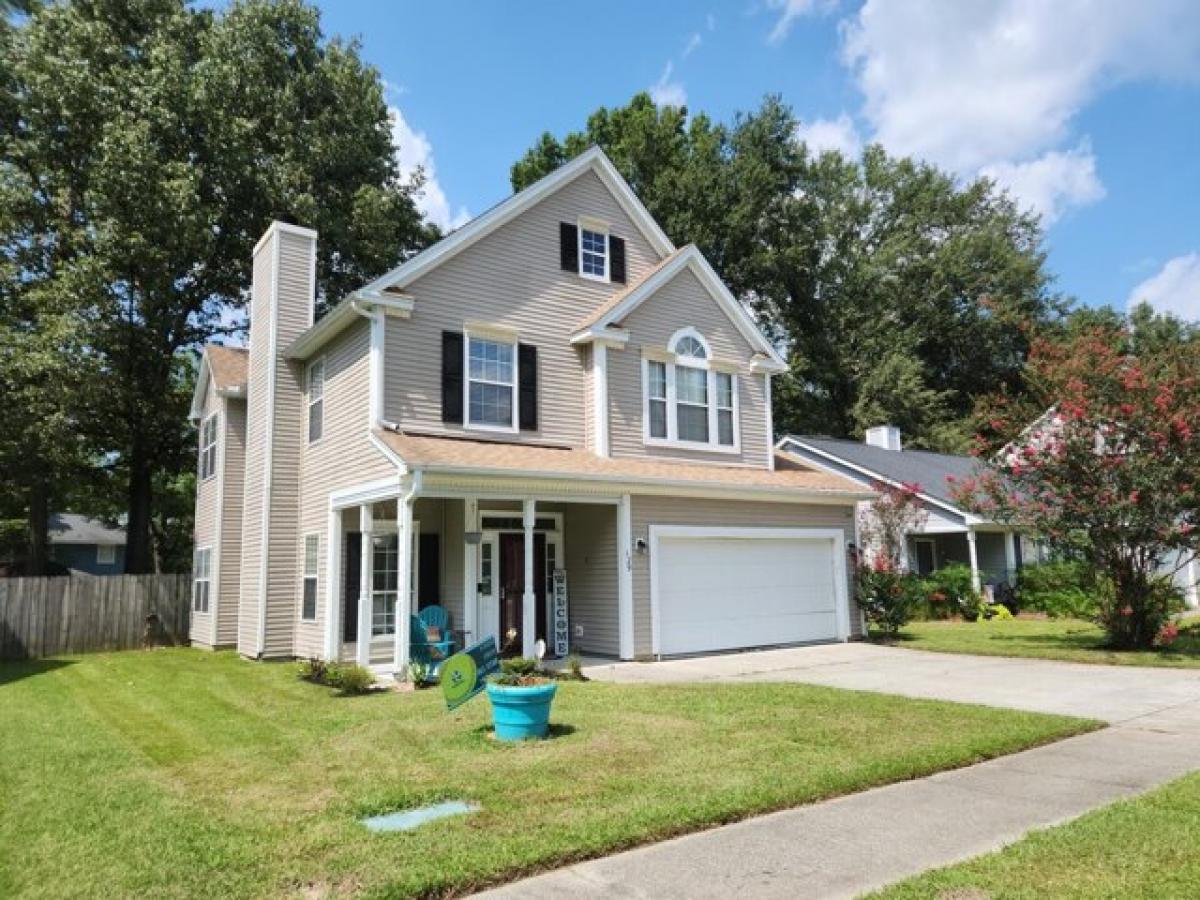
593 254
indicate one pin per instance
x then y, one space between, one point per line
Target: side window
200 579
316 400
657 398
312 549
208 447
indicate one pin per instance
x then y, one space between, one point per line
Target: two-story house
554 389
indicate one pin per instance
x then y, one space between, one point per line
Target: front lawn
1066 639
1145 847
179 773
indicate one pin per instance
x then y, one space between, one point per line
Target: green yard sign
465 673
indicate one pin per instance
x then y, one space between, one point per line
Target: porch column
624 578
366 522
976 585
529 601
470 572
333 585
404 577
1010 557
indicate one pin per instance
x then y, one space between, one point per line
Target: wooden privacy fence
82 613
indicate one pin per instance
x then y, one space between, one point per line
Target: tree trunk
138 552
39 524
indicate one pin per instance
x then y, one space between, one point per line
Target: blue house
86 545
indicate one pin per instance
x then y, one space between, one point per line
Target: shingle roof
524 460
230 365
615 300
929 470
72 528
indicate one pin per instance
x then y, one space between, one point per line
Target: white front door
723 589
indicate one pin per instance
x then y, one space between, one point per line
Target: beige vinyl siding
587 360
279 424
233 456
591 564
650 510
511 278
683 301
206 521
342 458
452 560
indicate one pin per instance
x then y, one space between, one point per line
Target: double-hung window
593 253
208 447
690 401
316 400
201 579
308 603
491 384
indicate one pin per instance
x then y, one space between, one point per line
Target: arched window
690 401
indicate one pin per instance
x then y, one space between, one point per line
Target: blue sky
1088 110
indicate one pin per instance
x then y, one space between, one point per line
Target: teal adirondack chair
421 648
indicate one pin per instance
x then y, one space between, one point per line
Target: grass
179 773
1066 639
1144 847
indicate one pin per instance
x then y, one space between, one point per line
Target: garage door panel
721 593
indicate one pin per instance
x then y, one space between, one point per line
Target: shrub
347 677
997 612
888 597
573 670
1063 589
419 673
948 592
519 671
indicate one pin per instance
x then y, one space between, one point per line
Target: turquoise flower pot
521 713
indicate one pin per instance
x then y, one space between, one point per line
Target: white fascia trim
277 227
342 315
592 159
967 517
600 399
368 492
834 535
608 337
692 258
768 366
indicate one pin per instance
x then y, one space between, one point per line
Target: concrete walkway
844 847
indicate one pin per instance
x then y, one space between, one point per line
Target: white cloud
1053 183
666 92
693 44
791 10
1175 289
997 86
413 152
839 134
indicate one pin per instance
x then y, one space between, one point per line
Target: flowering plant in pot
521 696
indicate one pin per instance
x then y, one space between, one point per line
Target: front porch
994 555
518 570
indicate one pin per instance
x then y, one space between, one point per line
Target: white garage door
722 589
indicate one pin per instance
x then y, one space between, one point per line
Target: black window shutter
616 262
527 402
568 246
452 377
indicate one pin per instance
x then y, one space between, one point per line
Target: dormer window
593 253
690 400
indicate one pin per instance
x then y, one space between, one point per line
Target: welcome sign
465 673
560 628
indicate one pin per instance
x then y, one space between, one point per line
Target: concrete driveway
854 844
1109 693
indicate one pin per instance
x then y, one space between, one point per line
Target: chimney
282 297
885 436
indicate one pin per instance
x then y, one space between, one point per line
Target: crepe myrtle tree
887 593
1108 471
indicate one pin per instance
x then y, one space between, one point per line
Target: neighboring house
86 545
950 534
554 389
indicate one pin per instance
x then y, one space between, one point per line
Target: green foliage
347 677
419 673
574 669
948 592
888 597
1101 456
901 294
144 147
519 671
997 612
1060 589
